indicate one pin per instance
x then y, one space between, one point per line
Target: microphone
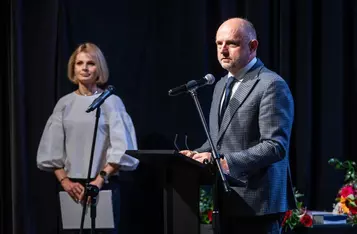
193 84
99 100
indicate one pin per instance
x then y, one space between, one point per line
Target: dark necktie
227 96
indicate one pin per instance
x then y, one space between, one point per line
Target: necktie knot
230 82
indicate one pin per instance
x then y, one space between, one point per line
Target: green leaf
347 177
353 204
299 205
346 164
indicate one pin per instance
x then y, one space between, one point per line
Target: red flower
209 215
347 190
306 220
353 210
287 215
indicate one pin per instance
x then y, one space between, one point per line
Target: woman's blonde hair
97 56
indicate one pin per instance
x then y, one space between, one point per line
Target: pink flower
347 190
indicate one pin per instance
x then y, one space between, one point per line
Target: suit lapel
249 81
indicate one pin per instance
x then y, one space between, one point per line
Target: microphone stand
216 157
89 189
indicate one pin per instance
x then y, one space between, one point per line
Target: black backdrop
152 46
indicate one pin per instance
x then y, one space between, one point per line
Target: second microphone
191 85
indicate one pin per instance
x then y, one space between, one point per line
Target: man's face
233 51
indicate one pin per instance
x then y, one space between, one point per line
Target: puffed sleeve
130 131
51 154
122 138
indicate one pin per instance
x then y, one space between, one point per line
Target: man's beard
232 65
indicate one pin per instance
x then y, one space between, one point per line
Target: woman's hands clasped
74 189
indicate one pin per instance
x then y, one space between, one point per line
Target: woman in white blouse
66 141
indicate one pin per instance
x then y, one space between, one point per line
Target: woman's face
85 69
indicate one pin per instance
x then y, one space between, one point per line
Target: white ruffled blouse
67 138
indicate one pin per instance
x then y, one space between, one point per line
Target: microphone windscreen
210 79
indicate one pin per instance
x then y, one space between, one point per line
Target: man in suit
250 124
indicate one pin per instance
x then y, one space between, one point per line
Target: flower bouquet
347 195
206 205
299 217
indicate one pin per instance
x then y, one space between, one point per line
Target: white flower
337 209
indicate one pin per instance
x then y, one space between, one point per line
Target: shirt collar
239 75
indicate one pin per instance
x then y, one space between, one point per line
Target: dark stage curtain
152 46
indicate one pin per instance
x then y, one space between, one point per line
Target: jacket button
218 147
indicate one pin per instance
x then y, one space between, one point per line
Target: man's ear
253 45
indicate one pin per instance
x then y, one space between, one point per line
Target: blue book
324 217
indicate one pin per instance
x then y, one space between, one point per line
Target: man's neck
241 72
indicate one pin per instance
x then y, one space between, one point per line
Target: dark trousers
113 185
266 224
